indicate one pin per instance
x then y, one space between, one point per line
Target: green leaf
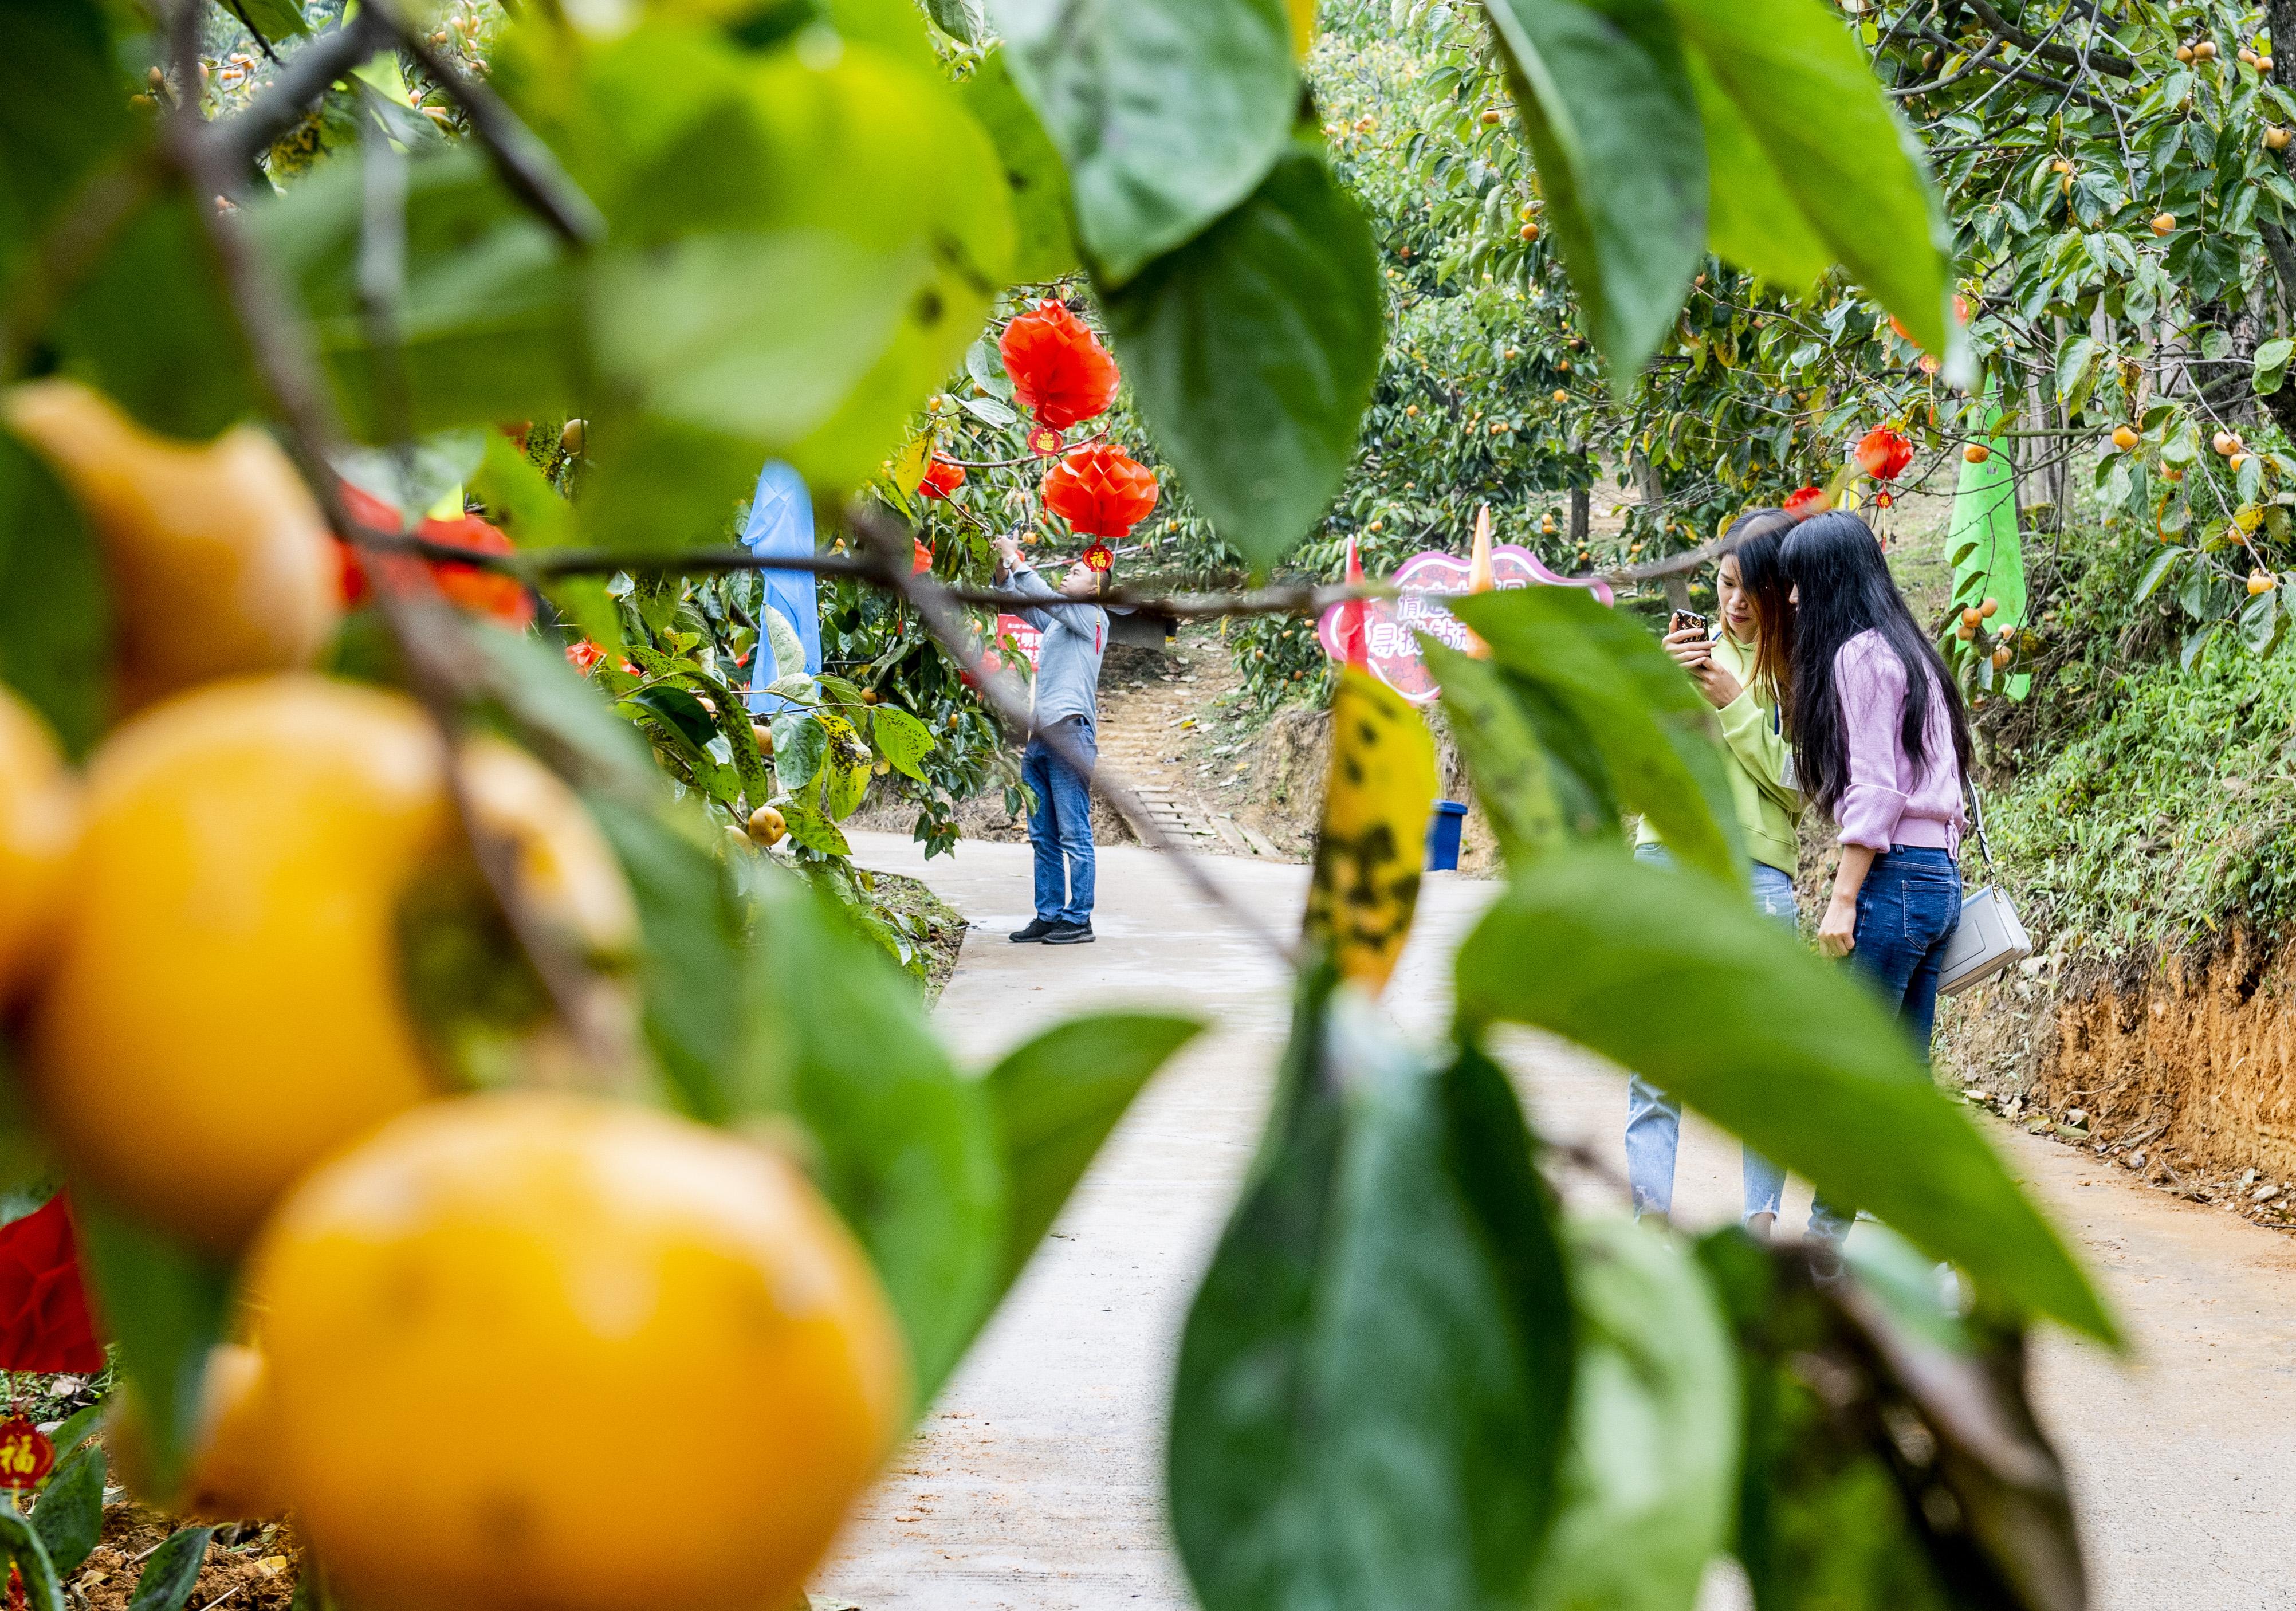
1037 181
808 826
848 785
2272 365
79 1426
680 713
2157 572
151 326
55 607
800 747
63 107
1612 122
19 1542
690 973
165 1306
274 19
488 326
1686 984
172 1571
1373 1378
1252 350
1752 216
1650 1483
960 19
1168 112
907 1148
553 710
1056 1097
1503 751
69 1515
901 739
788 650
1800 80
1652 729
2077 370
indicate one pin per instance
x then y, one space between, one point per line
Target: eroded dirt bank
2182 1070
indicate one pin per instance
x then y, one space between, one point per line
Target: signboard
1390 624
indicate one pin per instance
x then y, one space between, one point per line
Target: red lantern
1046 442
1059 371
489 593
920 562
1804 502
1100 491
1884 453
941 477
44 1317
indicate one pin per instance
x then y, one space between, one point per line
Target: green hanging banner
1982 545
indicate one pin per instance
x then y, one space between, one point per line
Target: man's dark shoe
1035 931
1069 933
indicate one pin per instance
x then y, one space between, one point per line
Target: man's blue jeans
1654 1119
1059 823
1906 910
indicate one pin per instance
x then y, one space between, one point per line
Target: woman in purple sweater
1880 746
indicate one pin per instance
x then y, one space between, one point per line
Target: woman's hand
1689 648
1837 931
1717 684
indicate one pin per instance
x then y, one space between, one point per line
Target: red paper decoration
941 477
1046 442
1059 371
44 1317
1883 453
920 562
1804 502
25 1456
489 593
1099 557
1100 491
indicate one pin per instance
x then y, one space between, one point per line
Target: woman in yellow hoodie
1743 668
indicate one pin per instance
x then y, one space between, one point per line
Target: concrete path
1036 1482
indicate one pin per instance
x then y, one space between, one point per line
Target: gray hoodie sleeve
1077 617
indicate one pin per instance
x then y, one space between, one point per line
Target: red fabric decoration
44 1317
1046 442
489 592
1883 453
941 477
1804 502
1100 491
1059 371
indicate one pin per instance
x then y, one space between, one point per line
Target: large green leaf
1800 80
274 19
1045 243
901 739
1168 112
1056 1097
1612 121
165 1306
1752 216
1503 751
19 1543
63 106
904 1145
1650 1483
488 327
1373 1378
70 1515
1252 351
55 609
1628 701
172 1571
152 326
1683 981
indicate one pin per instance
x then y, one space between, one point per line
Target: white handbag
1989 936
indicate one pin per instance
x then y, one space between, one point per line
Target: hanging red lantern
1884 453
920 562
1099 557
941 477
490 593
1804 502
1100 491
44 1324
1059 371
1046 442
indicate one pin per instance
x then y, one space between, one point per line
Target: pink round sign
1390 625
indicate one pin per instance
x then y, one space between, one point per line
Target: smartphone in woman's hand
1687 620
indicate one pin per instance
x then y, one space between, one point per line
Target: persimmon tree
512 1078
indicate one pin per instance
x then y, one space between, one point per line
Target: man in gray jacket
1067 706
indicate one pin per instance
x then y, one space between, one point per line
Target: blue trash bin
1443 836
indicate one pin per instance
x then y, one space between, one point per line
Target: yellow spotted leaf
1376 808
1303 27
908 467
2248 517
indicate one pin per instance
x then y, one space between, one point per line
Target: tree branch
2119 67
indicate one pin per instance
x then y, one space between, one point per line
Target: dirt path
1036 1482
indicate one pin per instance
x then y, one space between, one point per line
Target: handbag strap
1977 818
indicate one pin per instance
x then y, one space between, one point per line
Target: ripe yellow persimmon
1976 453
218 561
39 818
2164 223
462 1317
766 824
227 1475
2124 437
227 1000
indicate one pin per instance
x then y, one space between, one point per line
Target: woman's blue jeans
1060 824
1906 910
1654 1119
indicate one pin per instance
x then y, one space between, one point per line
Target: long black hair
1754 540
1835 564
